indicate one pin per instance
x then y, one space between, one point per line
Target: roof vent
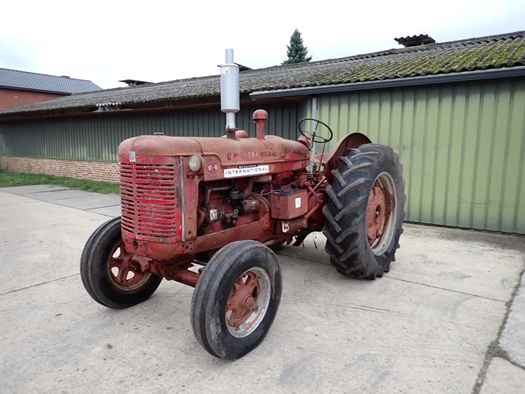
133 82
243 68
413 41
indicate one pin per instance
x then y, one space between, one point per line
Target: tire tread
345 211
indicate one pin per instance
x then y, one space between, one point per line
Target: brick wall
11 98
93 170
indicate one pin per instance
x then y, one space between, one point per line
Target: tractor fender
342 147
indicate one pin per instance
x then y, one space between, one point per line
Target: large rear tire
236 299
107 272
364 212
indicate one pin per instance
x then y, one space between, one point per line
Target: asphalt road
425 327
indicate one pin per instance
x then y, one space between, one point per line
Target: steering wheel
312 134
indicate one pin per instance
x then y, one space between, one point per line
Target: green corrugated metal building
455 113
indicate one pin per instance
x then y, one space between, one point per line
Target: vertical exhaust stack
230 92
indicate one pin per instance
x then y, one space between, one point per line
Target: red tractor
207 212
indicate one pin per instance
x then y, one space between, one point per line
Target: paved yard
425 327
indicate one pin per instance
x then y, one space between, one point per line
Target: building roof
457 58
23 80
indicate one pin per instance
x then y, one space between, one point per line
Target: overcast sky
107 41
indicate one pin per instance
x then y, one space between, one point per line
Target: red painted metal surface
151 198
289 203
178 271
343 146
376 214
242 300
245 188
123 271
260 116
271 155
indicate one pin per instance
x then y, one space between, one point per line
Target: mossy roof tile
483 53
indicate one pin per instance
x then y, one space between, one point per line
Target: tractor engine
185 196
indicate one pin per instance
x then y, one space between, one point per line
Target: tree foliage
297 52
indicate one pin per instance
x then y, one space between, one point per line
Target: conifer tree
297 52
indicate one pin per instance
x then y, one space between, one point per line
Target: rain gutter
35 90
395 83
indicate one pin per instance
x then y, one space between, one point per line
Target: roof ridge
485 38
180 80
361 56
46 75
386 52
503 51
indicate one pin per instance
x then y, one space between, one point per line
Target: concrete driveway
431 325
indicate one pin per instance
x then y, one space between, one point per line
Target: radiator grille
150 207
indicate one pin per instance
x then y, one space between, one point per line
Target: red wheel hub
242 301
376 215
123 273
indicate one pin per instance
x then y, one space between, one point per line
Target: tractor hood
240 151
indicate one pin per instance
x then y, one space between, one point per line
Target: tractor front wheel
364 212
236 299
108 273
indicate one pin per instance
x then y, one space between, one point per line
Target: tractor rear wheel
236 299
107 272
364 211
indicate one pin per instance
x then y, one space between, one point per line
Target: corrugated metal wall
3 148
96 137
462 147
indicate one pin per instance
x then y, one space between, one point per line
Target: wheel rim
380 218
124 275
248 302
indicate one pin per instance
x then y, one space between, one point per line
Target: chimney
413 41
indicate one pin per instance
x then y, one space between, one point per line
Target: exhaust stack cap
230 89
